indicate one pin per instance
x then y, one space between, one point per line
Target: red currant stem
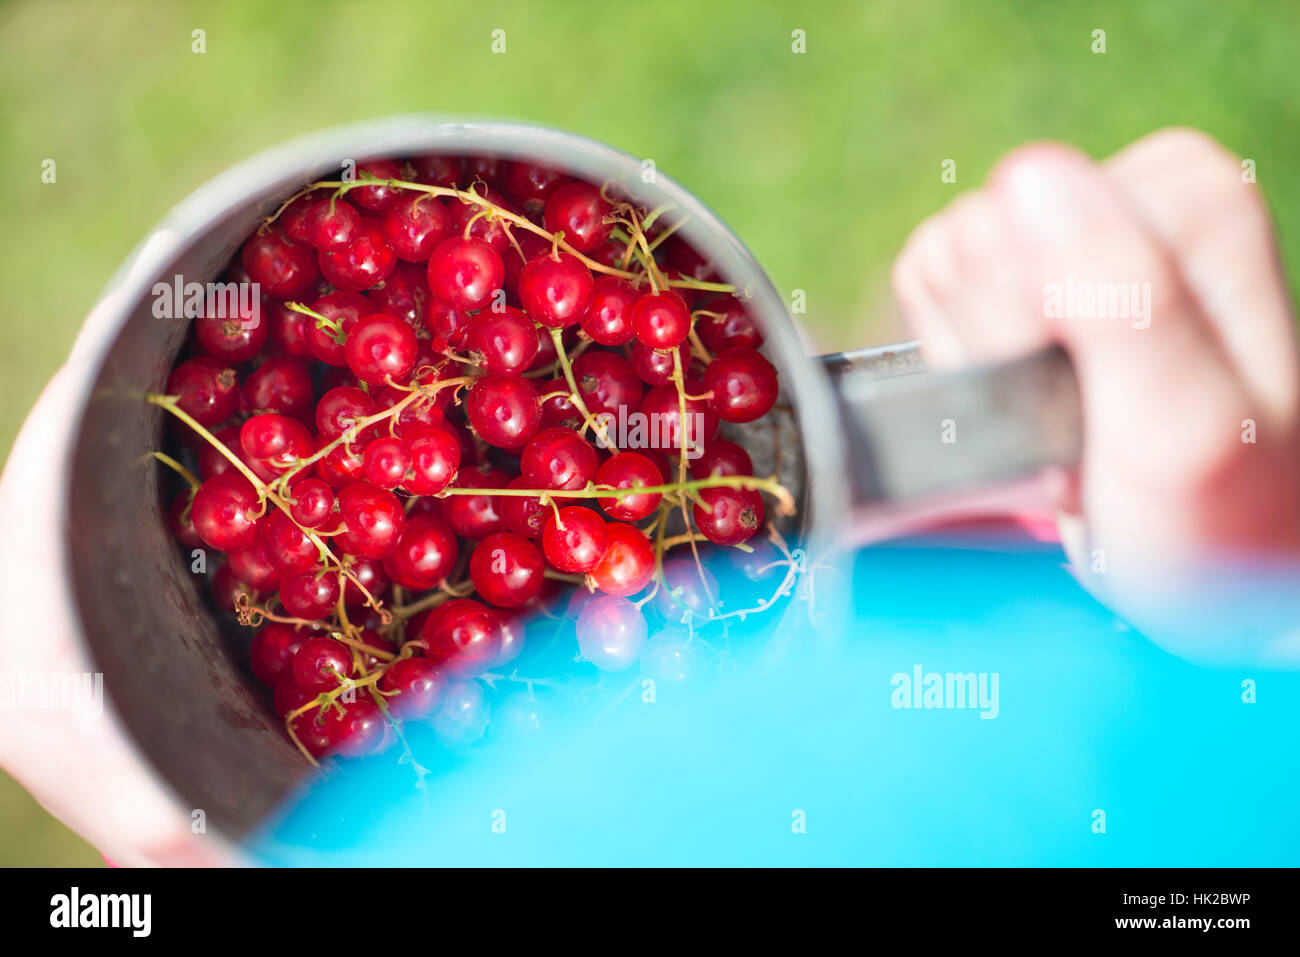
371 650
432 600
179 469
657 280
557 337
682 539
252 615
784 499
322 322
505 228
697 345
655 213
562 577
288 726
407 754
632 249
482 213
658 240
661 526
554 367
265 493
466 196
678 379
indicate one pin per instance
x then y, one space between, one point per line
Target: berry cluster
420 438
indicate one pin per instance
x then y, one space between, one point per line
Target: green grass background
821 162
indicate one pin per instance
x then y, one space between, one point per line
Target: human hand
1185 513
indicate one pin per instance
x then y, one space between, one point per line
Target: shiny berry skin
611 632
743 384
212 462
381 196
504 410
251 566
384 462
226 588
206 389
232 338
339 467
272 650
287 546
662 410
321 663
477 516
465 273
374 518
722 458
628 470
555 289
372 575
607 383
414 225
357 730
330 224
181 523
558 458
340 408
506 340
531 183
425 555
489 231
736 514
463 637
435 170
309 728
310 596
345 308
433 457
628 563
661 320
575 540
449 327
578 210
656 368
727 325
608 320
523 514
280 267
403 294
507 570
414 688
380 349
362 263
280 385
225 511
293 219
558 409
275 442
312 502
288 332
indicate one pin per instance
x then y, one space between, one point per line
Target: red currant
225 511
558 458
330 224
280 385
506 340
608 320
381 349
416 687
722 458
734 515
465 273
415 225
281 267
362 263
555 289
271 653
206 389
629 470
504 410
425 555
743 384
578 210
506 570
628 563
575 539
373 518
463 637
661 320
310 596
611 632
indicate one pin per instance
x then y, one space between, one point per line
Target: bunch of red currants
466 386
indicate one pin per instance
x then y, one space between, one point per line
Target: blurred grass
821 162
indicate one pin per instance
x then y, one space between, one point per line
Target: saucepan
864 440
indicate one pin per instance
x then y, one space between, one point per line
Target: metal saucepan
863 435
